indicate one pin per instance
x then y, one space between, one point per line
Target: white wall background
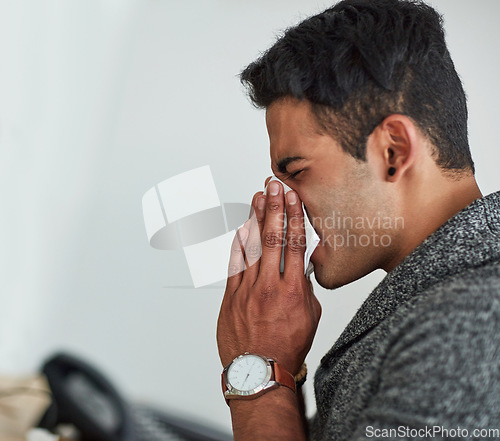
100 100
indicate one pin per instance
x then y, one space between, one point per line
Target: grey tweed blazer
421 357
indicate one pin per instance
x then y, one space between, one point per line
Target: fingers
295 241
272 235
252 209
258 208
236 260
260 211
253 248
246 247
267 181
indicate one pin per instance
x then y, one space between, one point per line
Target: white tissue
37 434
312 239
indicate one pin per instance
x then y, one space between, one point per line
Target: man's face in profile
344 197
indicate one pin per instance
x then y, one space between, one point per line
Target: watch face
248 372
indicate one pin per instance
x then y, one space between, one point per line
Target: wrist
281 397
279 409
250 376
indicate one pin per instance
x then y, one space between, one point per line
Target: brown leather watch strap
283 377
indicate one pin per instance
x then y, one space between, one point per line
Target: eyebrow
282 164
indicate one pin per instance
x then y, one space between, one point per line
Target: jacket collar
469 239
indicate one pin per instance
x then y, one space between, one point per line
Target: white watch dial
247 373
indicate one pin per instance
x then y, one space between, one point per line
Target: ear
394 146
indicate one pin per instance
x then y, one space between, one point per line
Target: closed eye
294 174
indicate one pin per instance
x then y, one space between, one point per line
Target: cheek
323 203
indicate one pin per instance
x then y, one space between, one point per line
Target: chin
331 276
327 281
321 271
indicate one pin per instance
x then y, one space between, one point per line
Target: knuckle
272 239
294 293
295 211
273 206
295 217
295 245
267 291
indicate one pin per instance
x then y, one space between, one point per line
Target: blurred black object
83 397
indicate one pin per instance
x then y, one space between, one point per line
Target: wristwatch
249 376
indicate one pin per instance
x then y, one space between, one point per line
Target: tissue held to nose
312 238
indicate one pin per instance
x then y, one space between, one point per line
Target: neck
426 210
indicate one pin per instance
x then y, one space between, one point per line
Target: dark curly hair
363 60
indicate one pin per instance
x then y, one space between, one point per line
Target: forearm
302 411
275 416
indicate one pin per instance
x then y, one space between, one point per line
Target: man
367 119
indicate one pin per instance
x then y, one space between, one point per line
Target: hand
263 311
